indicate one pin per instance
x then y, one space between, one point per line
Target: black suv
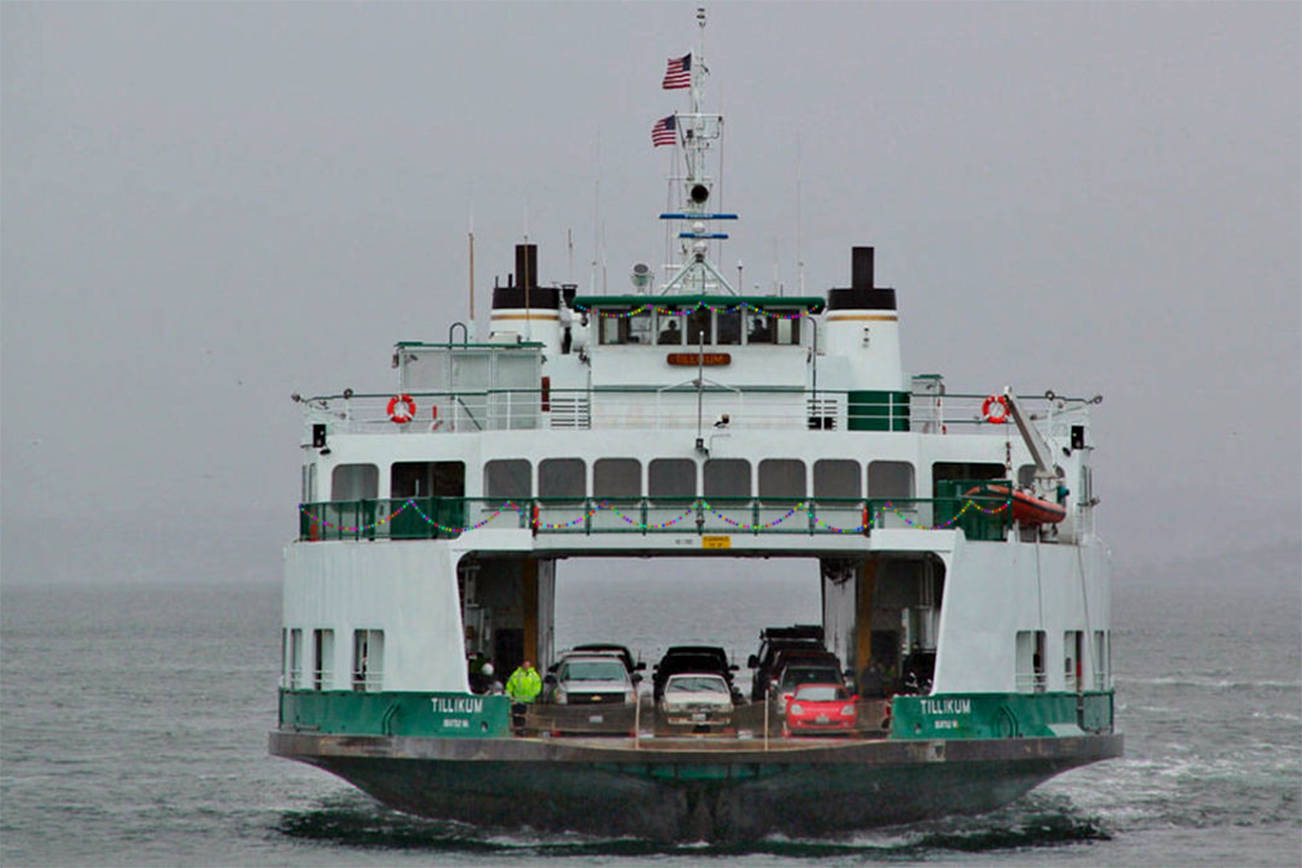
692 658
620 651
807 637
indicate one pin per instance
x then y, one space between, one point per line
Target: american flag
679 73
665 132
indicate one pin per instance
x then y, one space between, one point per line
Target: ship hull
673 790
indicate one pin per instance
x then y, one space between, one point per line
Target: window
355 482
782 479
427 479
672 478
508 478
614 478
890 480
670 329
368 660
309 483
761 329
837 477
1102 660
1073 649
323 655
639 327
295 659
698 326
730 326
613 325
1030 676
562 477
788 331
727 477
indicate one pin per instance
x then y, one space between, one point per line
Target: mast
698 130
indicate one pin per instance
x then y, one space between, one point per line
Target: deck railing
675 408
980 517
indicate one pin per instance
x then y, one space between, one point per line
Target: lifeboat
1027 509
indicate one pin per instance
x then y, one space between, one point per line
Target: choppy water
133 731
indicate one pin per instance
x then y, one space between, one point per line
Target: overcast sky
207 207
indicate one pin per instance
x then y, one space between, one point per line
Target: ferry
964 591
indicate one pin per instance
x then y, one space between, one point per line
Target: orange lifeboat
1026 508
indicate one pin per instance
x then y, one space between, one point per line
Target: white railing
719 410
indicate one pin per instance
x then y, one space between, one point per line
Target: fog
207 207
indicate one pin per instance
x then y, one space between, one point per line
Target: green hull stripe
460 715
443 715
1000 715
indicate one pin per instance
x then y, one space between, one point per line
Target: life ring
988 409
398 417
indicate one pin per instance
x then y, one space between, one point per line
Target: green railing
979 517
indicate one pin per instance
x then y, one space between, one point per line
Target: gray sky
207 207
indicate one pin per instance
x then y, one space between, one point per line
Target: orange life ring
987 409
401 418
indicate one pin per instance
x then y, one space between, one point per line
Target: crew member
670 334
522 687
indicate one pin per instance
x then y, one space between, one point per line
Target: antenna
800 262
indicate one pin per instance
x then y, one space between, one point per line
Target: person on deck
522 687
670 333
525 684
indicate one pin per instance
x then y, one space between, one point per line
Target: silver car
701 701
590 679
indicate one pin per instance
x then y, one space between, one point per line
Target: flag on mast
679 73
665 131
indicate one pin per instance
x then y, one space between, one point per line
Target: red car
815 708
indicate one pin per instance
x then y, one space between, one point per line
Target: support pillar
840 584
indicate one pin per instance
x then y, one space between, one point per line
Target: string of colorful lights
691 309
698 506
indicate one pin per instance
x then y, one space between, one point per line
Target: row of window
669 478
1083 668
367 661
701 326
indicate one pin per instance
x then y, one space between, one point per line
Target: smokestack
861 268
526 265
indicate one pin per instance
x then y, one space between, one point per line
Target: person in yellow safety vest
524 684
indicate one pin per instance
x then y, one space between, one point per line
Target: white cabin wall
995 589
408 590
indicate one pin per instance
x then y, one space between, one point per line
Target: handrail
980 517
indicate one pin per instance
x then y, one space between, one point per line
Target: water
134 718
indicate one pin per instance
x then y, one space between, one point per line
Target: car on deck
822 669
820 708
588 678
678 659
774 640
620 651
699 701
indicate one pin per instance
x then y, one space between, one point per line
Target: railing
676 408
980 517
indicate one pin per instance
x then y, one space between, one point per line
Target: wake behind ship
963 652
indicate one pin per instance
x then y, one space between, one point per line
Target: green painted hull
676 793
449 756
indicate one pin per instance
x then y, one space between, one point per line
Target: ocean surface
133 724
